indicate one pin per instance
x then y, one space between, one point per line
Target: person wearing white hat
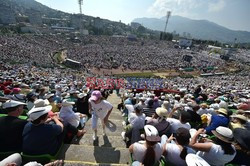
40 137
69 116
195 160
219 152
147 152
11 127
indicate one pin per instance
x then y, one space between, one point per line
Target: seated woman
219 152
158 120
40 137
69 116
147 152
176 152
242 146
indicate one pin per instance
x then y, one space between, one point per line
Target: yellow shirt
235 125
54 107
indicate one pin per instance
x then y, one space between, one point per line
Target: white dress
216 156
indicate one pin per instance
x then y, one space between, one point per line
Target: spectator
11 127
219 152
147 152
215 121
40 137
176 151
183 121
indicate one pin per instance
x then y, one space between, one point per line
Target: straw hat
161 112
223 133
241 117
222 110
204 105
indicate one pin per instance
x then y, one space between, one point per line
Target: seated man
149 110
221 119
183 121
40 137
137 122
11 127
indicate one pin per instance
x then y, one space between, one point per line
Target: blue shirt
216 121
41 139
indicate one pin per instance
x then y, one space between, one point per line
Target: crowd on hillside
102 52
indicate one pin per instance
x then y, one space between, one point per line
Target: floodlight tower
168 15
80 5
80 2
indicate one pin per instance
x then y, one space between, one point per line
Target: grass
142 74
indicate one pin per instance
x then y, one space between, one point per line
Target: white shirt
69 116
139 150
130 109
137 121
175 124
216 156
173 154
101 109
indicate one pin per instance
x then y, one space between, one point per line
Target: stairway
106 150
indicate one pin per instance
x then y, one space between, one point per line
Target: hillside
200 29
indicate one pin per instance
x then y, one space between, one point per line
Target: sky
233 14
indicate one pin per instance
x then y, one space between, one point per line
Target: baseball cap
95 95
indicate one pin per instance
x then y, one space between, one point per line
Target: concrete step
82 163
115 115
103 141
95 154
113 126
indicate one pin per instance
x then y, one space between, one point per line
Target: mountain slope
200 29
25 6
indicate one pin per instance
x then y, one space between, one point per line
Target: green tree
141 29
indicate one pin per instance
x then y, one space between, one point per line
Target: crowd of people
104 52
209 119
207 116
43 106
39 115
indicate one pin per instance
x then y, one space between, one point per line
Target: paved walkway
106 150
